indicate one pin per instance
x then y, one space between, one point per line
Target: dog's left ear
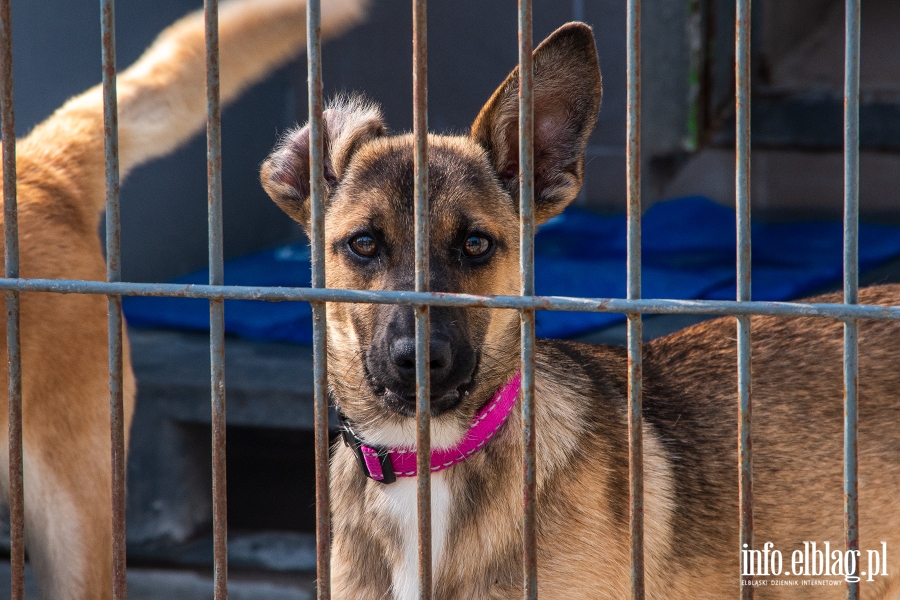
567 93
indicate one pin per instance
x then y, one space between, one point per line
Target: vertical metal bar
317 239
851 280
635 324
114 303
423 333
11 269
216 306
526 263
742 209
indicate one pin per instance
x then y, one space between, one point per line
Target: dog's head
473 190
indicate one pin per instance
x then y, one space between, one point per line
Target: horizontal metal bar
559 303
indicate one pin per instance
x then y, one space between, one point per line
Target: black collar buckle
352 441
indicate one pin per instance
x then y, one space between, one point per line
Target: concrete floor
160 584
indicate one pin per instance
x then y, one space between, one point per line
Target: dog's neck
386 464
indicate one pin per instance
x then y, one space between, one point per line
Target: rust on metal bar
745 444
851 282
635 325
220 501
529 464
422 331
320 420
636 454
526 264
114 302
13 348
317 243
742 211
216 306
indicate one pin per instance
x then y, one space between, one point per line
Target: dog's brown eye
476 245
364 245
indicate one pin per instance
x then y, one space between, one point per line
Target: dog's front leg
68 530
68 520
360 564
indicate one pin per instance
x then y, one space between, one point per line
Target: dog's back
691 465
690 401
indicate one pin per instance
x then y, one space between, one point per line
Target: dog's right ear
285 174
567 93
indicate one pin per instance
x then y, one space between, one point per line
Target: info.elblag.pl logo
812 560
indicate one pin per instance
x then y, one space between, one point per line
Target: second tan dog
690 420
61 192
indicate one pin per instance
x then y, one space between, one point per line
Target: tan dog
690 414
61 191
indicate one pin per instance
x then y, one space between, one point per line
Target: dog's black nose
390 360
403 355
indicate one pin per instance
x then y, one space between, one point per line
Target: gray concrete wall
472 46
797 111
785 25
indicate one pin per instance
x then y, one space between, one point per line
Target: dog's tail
162 97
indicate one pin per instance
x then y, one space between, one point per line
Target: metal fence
633 306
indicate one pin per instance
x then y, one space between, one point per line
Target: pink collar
386 464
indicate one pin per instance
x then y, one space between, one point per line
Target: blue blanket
688 253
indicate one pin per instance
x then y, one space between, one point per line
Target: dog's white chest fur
400 502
